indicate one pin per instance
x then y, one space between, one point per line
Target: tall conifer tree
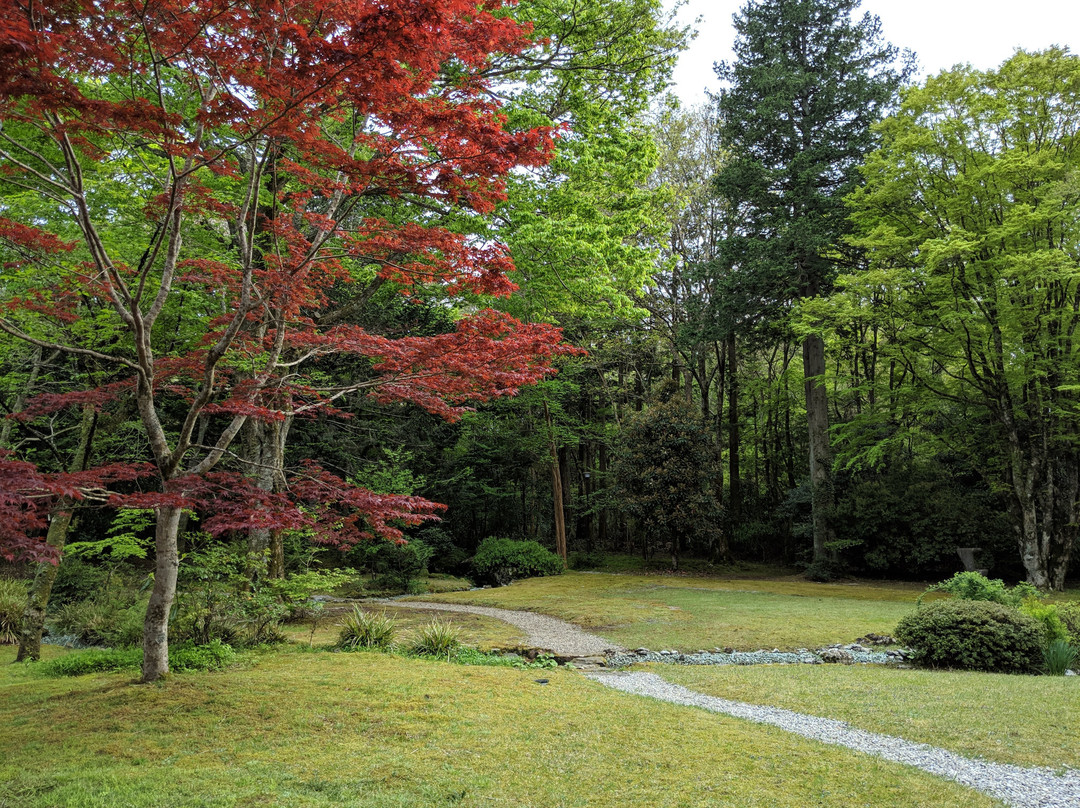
807 82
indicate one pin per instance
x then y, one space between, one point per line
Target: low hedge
973 635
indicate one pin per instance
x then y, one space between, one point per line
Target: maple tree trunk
556 489
32 624
817 417
156 626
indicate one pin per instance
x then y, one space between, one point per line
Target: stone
837 655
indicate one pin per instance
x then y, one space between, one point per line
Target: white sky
941 32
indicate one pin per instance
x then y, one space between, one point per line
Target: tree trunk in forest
1043 503
156 626
7 424
556 489
37 602
817 416
734 478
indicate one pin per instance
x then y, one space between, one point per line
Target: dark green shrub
12 604
972 635
500 561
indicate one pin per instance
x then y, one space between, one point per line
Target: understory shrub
1058 657
77 580
367 630
1046 613
1069 614
437 639
12 604
972 635
975 586
500 561
114 621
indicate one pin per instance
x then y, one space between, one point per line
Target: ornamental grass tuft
367 630
1058 657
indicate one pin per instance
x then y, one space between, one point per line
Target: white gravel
546 633
1016 786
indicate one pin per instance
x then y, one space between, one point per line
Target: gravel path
1017 786
547 633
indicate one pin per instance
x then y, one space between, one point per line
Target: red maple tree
259 166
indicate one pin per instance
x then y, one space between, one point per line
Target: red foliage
27 495
291 131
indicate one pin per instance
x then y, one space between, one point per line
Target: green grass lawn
324 729
1024 720
691 613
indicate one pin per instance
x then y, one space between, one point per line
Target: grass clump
12 604
972 635
1058 657
362 629
183 658
437 639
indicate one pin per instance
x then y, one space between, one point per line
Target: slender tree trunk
166 563
37 602
7 424
734 474
817 416
556 489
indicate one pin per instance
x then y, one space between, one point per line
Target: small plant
437 639
1069 614
112 619
972 635
501 561
1058 657
367 630
1047 614
12 604
975 586
213 656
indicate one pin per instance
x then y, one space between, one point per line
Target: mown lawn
1024 720
327 729
691 613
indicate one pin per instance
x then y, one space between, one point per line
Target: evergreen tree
807 82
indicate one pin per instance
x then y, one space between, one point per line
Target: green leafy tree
663 471
969 215
807 82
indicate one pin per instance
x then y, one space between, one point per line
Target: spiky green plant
1058 657
437 639
12 603
367 630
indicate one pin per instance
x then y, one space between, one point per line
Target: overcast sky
941 32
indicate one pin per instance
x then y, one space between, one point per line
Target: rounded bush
501 561
972 635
